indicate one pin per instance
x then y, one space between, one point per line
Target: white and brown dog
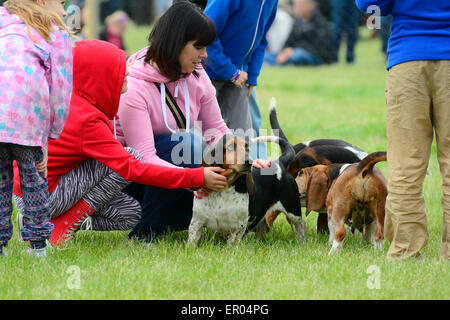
243 204
353 194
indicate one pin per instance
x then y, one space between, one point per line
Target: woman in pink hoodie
171 65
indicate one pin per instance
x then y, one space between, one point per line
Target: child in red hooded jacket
87 167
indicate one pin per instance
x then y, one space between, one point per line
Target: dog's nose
248 161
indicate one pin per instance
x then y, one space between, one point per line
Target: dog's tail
274 124
287 151
365 166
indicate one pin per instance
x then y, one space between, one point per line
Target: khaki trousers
418 103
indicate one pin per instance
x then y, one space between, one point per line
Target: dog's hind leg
337 221
299 226
271 216
379 232
377 226
331 228
289 199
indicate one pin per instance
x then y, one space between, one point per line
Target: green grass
339 101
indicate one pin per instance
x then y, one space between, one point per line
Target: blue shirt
241 27
420 29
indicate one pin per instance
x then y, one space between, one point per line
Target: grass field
339 101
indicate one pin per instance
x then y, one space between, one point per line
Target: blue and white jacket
241 27
420 29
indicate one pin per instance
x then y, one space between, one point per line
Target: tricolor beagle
243 204
354 194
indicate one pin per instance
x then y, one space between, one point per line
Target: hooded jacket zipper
254 36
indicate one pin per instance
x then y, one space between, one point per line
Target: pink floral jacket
35 83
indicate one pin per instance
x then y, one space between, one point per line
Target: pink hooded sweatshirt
142 115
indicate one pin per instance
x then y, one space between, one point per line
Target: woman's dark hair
181 23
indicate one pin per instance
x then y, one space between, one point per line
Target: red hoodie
99 72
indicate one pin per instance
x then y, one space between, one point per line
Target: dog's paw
335 248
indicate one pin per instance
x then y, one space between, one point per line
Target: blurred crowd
305 32
310 32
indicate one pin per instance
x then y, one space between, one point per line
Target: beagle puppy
242 205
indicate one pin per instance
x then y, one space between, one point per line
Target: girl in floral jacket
35 91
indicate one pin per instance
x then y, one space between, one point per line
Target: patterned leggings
101 188
36 214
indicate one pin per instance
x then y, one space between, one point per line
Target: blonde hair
35 16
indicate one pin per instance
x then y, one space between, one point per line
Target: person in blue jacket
236 56
418 104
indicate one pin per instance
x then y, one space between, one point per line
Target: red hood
101 78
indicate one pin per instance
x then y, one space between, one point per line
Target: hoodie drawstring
187 104
163 106
114 124
175 94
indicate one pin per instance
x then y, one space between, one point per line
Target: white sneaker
38 253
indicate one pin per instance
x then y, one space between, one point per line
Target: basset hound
353 194
243 204
311 153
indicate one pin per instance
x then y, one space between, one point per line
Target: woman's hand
216 182
261 163
213 179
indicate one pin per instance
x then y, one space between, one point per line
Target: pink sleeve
60 78
136 126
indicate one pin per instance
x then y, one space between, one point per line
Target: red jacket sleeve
99 143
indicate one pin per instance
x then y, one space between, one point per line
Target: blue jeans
346 18
259 150
166 210
303 57
299 57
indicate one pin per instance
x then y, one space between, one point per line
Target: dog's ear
317 190
250 184
293 169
